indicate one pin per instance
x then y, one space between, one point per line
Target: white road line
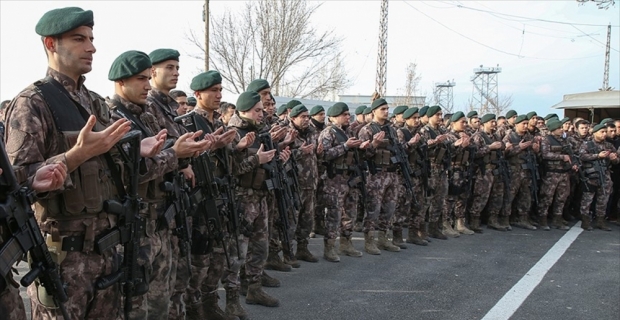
512 300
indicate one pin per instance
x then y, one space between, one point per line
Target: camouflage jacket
245 160
552 156
307 164
589 151
164 107
354 128
367 133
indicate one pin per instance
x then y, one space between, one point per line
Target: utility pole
380 86
606 72
205 18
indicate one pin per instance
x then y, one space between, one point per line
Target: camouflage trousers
155 304
254 222
488 192
602 196
305 216
79 271
179 284
438 187
341 206
519 200
11 303
319 205
553 193
382 193
230 278
455 203
408 208
403 204
206 273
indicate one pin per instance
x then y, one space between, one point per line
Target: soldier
423 116
407 208
368 115
282 112
597 155
384 183
191 104
340 196
511 116
473 122
532 124
252 193
459 177
40 122
581 135
47 178
131 72
399 122
439 155
519 143
3 106
491 178
317 121
501 121
615 169
352 131
181 98
227 110
270 117
556 182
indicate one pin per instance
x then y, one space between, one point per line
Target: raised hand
264 156
151 146
49 177
246 141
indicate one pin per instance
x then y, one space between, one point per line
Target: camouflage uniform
520 197
556 182
164 107
595 187
352 130
573 203
12 304
320 204
150 255
502 131
33 140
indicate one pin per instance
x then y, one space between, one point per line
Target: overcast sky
540 61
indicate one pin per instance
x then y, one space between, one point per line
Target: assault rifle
532 165
598 165
293 177
360 179
504 171
425 165
131 227
399 156
279 183
178 198
21 234
576 161
470 168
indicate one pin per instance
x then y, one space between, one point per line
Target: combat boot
543 223
268 281
256 295
434 232
290 261
494 224
558 224
585 223
211 310
346 247
423 232
397 239
329 251
304 254
233 306
504 222
385 244
413 236
369 243
244 282
600 224
474 225
448 231
461 227
275 263
524 223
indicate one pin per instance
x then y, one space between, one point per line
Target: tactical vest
491 157
588 166
414 156
219 156
92 181
519 160
254 179
341 164
461 159
436 155
555 165
382 157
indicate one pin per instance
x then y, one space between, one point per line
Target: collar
65 80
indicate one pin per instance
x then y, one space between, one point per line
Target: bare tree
411 86
602 4
275 40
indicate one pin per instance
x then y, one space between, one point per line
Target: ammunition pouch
382 158
254 179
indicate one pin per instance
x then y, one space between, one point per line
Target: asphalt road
459 278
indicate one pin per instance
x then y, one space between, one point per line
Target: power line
489 47
604 44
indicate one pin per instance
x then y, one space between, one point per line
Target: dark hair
501 117
4 104
581 122
224 106
177 93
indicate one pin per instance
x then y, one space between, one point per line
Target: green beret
410 112
337 109
423 111
531 115
368 111
247 100
128 64
487 117
291 104
510 114
160 55
551 115
297 110
360 110
472 114
607 120
205 80
316 110
456 116
554 124
377 103
191 101
433 110
59 21
281 110
258 85
521 118
565 120
400 110
599 127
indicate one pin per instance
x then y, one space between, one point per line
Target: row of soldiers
144 205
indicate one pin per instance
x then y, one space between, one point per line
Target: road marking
513 299
390 291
